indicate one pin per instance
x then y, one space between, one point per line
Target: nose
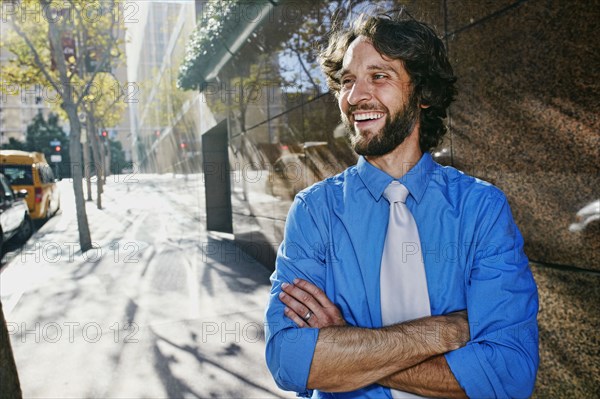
360 91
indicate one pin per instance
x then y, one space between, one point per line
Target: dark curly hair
422 53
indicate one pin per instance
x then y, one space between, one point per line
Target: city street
160 308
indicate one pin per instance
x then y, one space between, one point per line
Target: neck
402 158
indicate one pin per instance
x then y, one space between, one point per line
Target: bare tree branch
301 61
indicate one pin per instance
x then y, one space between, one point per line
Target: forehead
362 54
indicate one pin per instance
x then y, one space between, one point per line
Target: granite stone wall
526 119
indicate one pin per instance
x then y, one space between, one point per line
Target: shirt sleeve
501 360
289 349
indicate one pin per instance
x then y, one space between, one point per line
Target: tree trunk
103 158
85 240
10 386
86 169
98 165
68 104
108 159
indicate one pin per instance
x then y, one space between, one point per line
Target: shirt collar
416 180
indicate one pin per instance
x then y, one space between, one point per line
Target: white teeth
370 115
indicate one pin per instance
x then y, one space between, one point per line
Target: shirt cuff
468 369
297 347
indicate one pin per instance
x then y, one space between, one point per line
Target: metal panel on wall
216 179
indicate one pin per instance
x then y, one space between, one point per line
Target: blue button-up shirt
474 260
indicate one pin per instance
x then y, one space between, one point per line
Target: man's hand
303 298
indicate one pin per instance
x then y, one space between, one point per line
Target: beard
396 129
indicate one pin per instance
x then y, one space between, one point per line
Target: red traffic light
183 146
57 148
104 133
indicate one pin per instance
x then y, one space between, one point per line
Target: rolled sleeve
501 360
289 354
289 349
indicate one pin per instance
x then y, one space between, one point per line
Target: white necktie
403 282
404 294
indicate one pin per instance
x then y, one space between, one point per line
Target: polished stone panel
461 13
568 325
429 11
526 120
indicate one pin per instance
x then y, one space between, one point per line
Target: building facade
18 105
526 119
509 125
164 122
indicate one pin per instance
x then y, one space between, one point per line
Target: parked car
30 171
15 221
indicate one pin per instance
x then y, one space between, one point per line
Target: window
6 191
18 175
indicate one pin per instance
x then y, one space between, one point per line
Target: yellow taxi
30 171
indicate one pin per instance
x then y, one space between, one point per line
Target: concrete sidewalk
160 309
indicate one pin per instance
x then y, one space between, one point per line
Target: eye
379 76
347 82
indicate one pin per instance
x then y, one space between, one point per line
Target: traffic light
55 146
55 149
104 134
183 145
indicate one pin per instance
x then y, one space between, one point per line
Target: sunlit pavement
160 308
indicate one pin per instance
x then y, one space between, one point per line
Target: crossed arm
406 356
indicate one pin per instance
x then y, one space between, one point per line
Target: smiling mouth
368 116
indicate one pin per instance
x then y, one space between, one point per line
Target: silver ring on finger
308 316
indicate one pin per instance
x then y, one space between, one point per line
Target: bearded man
400 277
